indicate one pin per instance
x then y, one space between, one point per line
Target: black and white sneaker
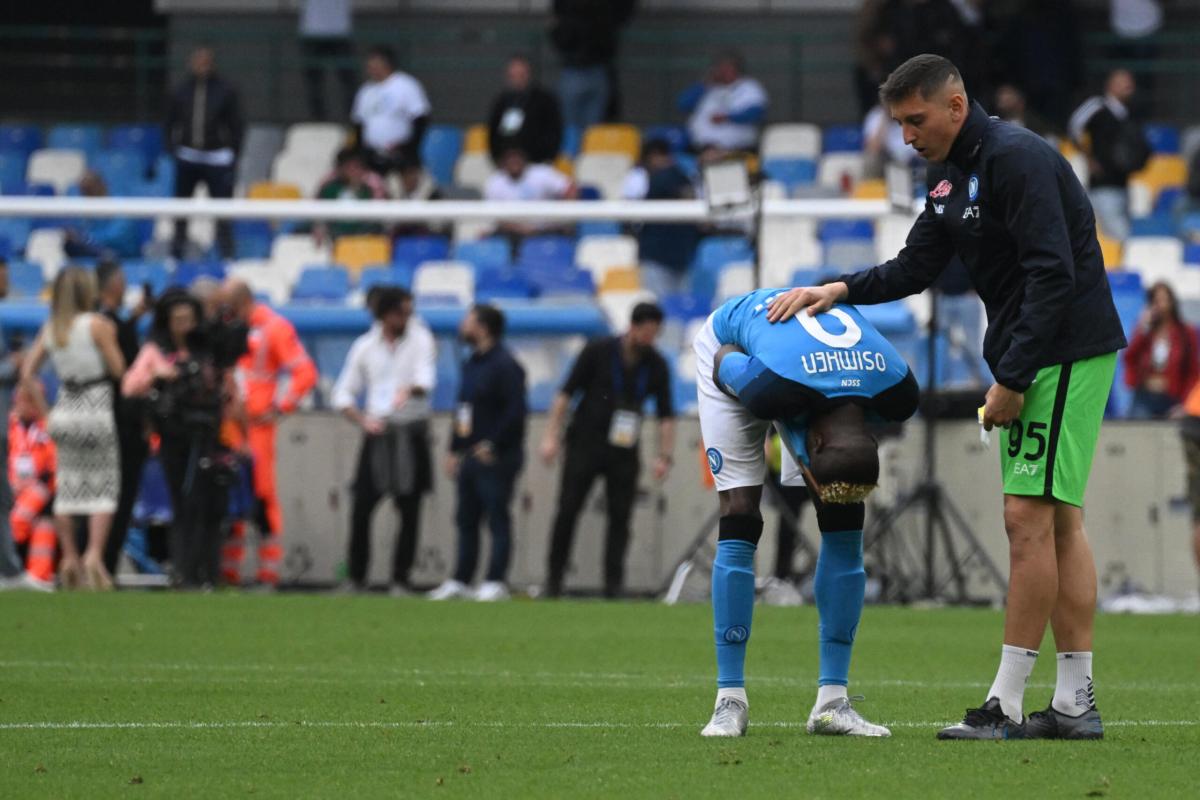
1053 724
986 722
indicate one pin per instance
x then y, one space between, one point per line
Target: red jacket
1182 367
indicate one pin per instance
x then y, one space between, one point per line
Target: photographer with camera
185 372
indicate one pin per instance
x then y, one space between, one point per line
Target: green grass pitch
227 695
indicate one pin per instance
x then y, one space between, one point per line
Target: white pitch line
434 724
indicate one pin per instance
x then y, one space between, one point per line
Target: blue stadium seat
321 285
572 141
88 138
155 273
812 276
715 252
410 251
1189 226
329 354
1163 138
1191 254
546 252
146 139
1156 225
1169 198
493 252
440 150
15 231
12 171
589 192
252 238
123 170
25 279
791 172
562 283
162 182
685 305
40 189
502 285
598 227
20 138
385 275
674 135
842 138
186 272
846 229
445 390
1122 280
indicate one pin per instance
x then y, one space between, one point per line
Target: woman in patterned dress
82 346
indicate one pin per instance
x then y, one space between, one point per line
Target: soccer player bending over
818 380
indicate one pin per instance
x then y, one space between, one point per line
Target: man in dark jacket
1010 207
524 115
204 129
585 33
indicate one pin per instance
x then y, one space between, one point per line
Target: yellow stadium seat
565 165
1161 172
620 139
1111 250
871 190
269 190
621 279
477 139
356 252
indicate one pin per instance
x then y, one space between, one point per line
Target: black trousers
586 461
367 495
485 490
317 54
134 451
219 181
199 508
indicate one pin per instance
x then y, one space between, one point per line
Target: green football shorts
1048 450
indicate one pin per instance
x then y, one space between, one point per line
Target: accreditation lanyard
625 428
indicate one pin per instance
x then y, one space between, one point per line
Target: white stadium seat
617 306
262 278
445 279
318 140
891 232
833 166
291 253
473 170
60 168
605 171
1155 257
300 169
792 140
787 244
734 280
599 254
45 247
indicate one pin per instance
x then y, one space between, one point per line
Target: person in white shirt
729 110
391 112
517 180
393 368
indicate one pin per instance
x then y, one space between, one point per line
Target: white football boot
729 718
491 592
838 718
449 590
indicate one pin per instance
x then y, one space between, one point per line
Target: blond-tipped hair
74 293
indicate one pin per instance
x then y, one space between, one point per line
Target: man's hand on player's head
816 299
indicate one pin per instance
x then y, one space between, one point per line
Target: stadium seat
615 139
25 279
13 164
674 135
572 141
385 275
322 285
61 169
187 272
1189 226
715 252
252 238
786 244
566 166
320 141
140 273
734 280
20 138
492 253
546 252
146 139
873 189
605 171
1190 143
842 139
599 254
263 279
1160 171
834 170
492 285
356 252
846 229
1154 225
291 252
617 306
14 232
87 138
791 140
473 169
598 227
161 183
301 169
1155 257
891 232
123 170
791 171
1110 251
685 306
269 190
445 280
440 150
260 145
620 279
564 285
1164 139
413 250
45 247
845 255
1170 199
476 140
1191 254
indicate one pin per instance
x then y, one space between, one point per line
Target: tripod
939 570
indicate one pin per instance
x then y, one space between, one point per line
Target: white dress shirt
385 373
386 110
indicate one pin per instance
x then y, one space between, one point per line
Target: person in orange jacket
274 349
31 465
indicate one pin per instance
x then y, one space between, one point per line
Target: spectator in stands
391 112
1010 106
486 453
351 179
1037 45
1162 361
204 130
883 144
99 237
518 180
325 44
83 347
393 367
524 115
128 413
1108 131
728 109
415 183
875 48
10 369
30 472
585 34
665 249
612 379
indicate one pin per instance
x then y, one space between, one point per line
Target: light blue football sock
733 608
839 586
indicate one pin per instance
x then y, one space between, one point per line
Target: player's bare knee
742 501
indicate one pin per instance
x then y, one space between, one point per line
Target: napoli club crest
715 461
973 188
943 189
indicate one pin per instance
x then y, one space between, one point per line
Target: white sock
1016 665
737 693
1073 691
827 694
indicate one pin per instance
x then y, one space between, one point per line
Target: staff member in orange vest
274 348
31 463
1190 430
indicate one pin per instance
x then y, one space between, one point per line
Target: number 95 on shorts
1047 451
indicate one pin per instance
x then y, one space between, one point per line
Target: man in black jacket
1010 207
524 115
204 129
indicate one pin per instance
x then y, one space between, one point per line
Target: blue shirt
493 392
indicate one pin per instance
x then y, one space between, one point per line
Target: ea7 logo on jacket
943 189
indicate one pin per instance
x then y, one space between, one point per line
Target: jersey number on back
847 338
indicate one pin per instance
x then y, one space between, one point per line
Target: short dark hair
389 299
656 146
383 51
348 154
733 56
925 74
106 270
646 312
491 318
